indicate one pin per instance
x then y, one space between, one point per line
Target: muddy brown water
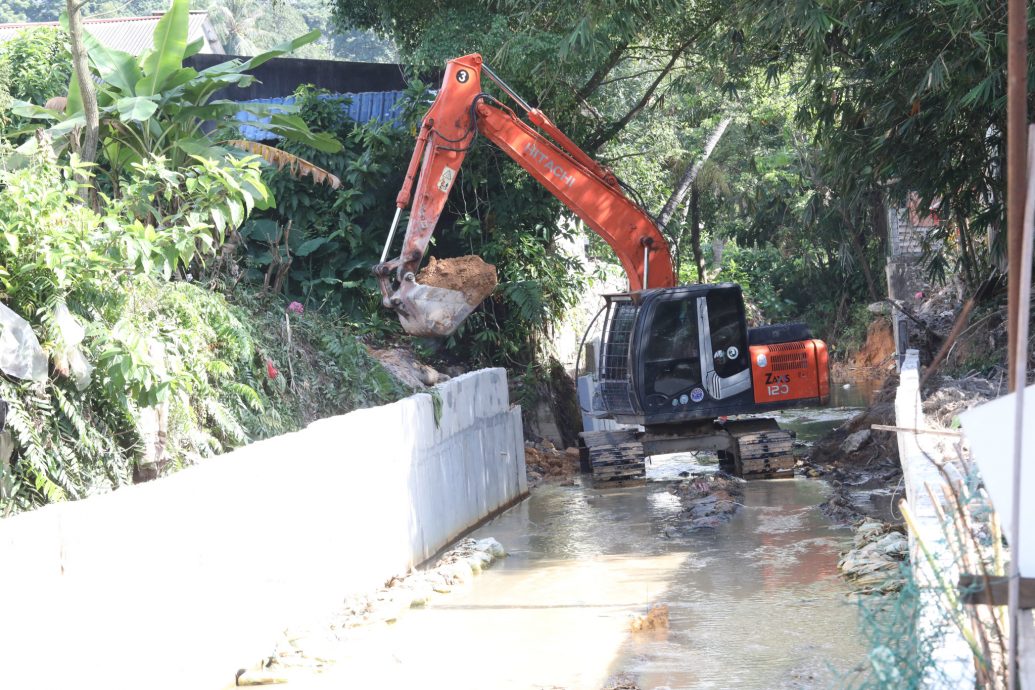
755 603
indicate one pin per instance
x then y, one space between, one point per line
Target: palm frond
282 159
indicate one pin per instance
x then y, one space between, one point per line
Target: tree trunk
87 92
860 255
605 69
695 230
691 175
605 134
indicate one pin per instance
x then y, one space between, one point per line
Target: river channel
755 603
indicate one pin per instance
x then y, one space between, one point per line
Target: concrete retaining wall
952 654
176 583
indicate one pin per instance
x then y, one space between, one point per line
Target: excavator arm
591 191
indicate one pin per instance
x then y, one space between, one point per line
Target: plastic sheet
20 353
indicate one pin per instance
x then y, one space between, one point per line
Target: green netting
904 656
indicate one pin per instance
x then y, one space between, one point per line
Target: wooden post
1016 155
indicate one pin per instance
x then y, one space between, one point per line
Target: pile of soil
875 357
861 465
467 274
879 348
543 462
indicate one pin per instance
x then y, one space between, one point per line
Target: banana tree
153 106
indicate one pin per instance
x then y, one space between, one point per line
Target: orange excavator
675 362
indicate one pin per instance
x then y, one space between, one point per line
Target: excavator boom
673 363
461 111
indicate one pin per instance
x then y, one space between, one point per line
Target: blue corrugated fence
362 107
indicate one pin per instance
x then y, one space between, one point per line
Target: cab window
672 359
729 339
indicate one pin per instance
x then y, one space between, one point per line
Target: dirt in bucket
467 274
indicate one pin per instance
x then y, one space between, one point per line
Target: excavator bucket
437 301
433 312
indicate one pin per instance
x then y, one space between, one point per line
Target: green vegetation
150 354
176 253
840 110
34 66
325 240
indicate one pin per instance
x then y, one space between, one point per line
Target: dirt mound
467 274
544 462
879 348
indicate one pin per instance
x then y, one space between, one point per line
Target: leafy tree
238 24
903 98
37 64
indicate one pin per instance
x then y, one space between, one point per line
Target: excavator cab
677 355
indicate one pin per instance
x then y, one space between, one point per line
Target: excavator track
615 458
747 448
761 449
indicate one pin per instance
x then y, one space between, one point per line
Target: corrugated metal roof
362 107
132 35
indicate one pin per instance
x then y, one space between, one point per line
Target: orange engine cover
790 371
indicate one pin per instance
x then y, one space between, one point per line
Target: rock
725 506
491 546
878 308
702 510
709 522
430 377
812 473
405 366
478 560
855 441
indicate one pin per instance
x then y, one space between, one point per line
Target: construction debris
873 564
708 500
861 465
947 398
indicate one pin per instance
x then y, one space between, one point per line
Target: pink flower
919 295
296 308
271 370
